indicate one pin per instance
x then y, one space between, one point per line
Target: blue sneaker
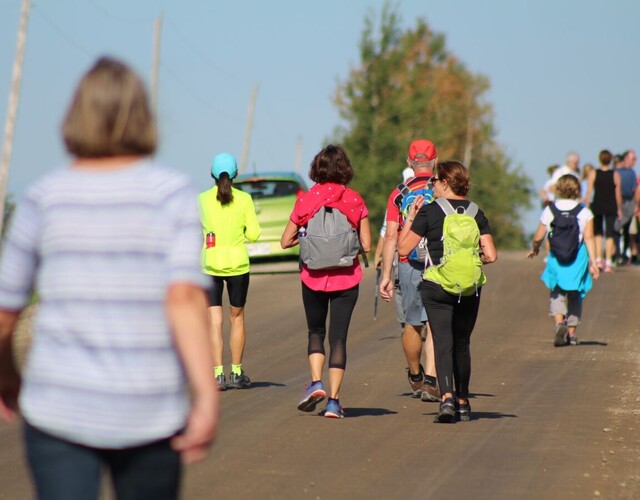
315 393
333 410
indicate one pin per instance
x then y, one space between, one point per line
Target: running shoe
573 340
314 394
561 335
447 413
416 385
221 380
463 411
429 392
333 409
608 269
238 381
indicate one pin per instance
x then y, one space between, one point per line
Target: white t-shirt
584 216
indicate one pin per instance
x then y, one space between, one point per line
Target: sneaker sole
333 415
464 417
238 386
561 337
445 418
309 403
428 398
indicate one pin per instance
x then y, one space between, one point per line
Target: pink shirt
353 207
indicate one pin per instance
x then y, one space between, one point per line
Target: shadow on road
367 412
256 385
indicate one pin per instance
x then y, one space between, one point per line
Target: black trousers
452 319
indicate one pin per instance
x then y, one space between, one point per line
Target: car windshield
268 188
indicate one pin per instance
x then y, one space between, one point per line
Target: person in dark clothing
604 185
451 316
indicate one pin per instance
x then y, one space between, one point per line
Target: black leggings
316 307
452 319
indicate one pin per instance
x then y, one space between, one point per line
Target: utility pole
298 163
156 63
247 134
12 108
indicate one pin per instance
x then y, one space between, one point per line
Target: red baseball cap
422 150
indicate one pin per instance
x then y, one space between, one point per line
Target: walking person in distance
330 292
459 242
228 221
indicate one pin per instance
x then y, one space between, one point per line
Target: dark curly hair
331 164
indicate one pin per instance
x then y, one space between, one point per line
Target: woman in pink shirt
323 288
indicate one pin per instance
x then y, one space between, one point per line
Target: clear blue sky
564 73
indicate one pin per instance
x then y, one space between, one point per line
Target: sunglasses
432 180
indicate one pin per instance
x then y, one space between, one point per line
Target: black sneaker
463 411
238 381
447 413
561 335
222 382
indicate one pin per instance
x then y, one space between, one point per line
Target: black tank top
604 194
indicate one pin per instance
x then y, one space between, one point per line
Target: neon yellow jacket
232 224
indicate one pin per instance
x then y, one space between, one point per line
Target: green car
274 195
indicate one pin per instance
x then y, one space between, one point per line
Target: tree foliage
9 207
407 86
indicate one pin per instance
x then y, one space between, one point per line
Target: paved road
548 422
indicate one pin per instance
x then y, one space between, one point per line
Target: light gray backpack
329 241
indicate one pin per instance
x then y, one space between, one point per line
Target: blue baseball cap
224 162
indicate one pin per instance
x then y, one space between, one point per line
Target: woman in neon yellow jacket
228 220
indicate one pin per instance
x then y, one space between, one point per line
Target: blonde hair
568 187
109 114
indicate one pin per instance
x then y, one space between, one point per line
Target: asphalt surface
547 422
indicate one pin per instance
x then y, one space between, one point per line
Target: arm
289 236
488 254
9 376
538 238
186 307
590 182
618 183
590 241
408 239
388 251
251 225
365 234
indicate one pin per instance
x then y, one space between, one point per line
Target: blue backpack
404 199
564 237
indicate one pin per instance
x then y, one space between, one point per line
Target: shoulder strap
554 210
445 206
472 210
577 209
403 190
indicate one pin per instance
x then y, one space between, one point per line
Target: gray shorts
569 304
410 277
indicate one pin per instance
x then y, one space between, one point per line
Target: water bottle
210 240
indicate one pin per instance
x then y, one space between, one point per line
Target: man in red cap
422 158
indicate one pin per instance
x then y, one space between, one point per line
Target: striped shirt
101 248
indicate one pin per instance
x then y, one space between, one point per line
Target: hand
533 252
594 270
377 262
9 392
386 289
414 208
202 428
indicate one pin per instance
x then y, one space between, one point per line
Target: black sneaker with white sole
238 381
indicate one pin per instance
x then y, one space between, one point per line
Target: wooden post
12 109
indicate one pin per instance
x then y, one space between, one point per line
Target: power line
38 10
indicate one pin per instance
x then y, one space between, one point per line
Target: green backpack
460 270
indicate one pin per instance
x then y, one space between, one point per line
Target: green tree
406 86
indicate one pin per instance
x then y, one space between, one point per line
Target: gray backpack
328 241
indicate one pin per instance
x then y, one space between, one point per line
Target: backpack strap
554 210
403 190
446 206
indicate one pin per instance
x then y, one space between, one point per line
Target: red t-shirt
351 204
393 213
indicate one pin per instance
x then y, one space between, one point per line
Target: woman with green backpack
459 242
